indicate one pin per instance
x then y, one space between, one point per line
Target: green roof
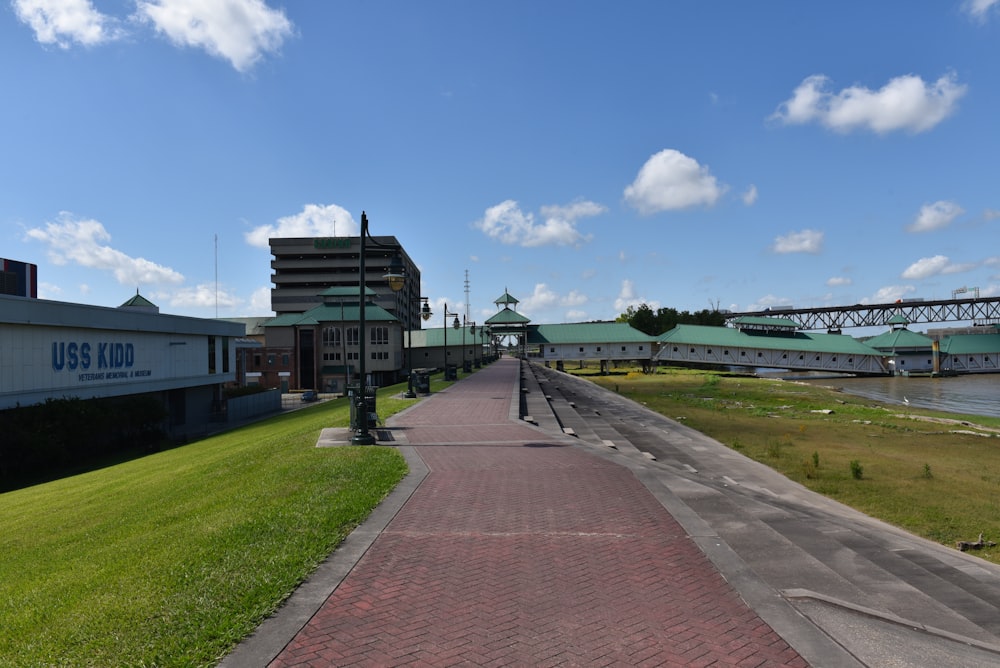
507 317
766 321
139 301
800 341
505 298
966 344
332 313
588 332
899 339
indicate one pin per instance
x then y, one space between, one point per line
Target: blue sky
583 155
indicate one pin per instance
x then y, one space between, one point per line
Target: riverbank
933 473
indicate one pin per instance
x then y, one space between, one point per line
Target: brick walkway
521 550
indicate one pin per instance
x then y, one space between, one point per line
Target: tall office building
303 267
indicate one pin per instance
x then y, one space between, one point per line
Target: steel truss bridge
979 311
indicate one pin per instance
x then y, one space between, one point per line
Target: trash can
422 382
467 366
369 405
450 372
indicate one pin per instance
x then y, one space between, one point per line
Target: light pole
471 324
456 325
425 313
396 277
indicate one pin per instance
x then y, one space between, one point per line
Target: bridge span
979 311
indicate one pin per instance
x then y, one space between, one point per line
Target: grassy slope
171 559
918 474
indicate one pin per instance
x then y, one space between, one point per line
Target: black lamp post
425 313
396 277
456 326
471 324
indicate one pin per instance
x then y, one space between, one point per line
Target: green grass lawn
934 474
171 559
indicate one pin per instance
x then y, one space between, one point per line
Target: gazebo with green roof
508 322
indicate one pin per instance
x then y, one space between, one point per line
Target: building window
709 351
331 357
640 349
552 350
225 354
623 348
353 356
352 336
211 354
598 349
380 336
256 360
331 336
581 349
284 359
380 355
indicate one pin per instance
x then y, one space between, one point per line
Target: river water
971 394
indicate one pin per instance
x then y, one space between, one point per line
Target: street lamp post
396 277
425 313
471 324
456 325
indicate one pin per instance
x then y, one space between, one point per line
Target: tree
664 319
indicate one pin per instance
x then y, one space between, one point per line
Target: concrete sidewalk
512 545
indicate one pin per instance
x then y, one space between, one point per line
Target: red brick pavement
529 553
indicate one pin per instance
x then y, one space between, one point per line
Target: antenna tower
467 294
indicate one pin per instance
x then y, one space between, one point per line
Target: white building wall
39 362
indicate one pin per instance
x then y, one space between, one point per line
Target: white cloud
979 9
806 241
750 195
575 316
905 103
315 220
240 31
66 22
79 241
203 296
506 223
991 214
48 290
541 299
260 301
670 181
932 266
925 267
889 294
935 216
769 301
627 297
838 281
574 298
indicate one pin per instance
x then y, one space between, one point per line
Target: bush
857 471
